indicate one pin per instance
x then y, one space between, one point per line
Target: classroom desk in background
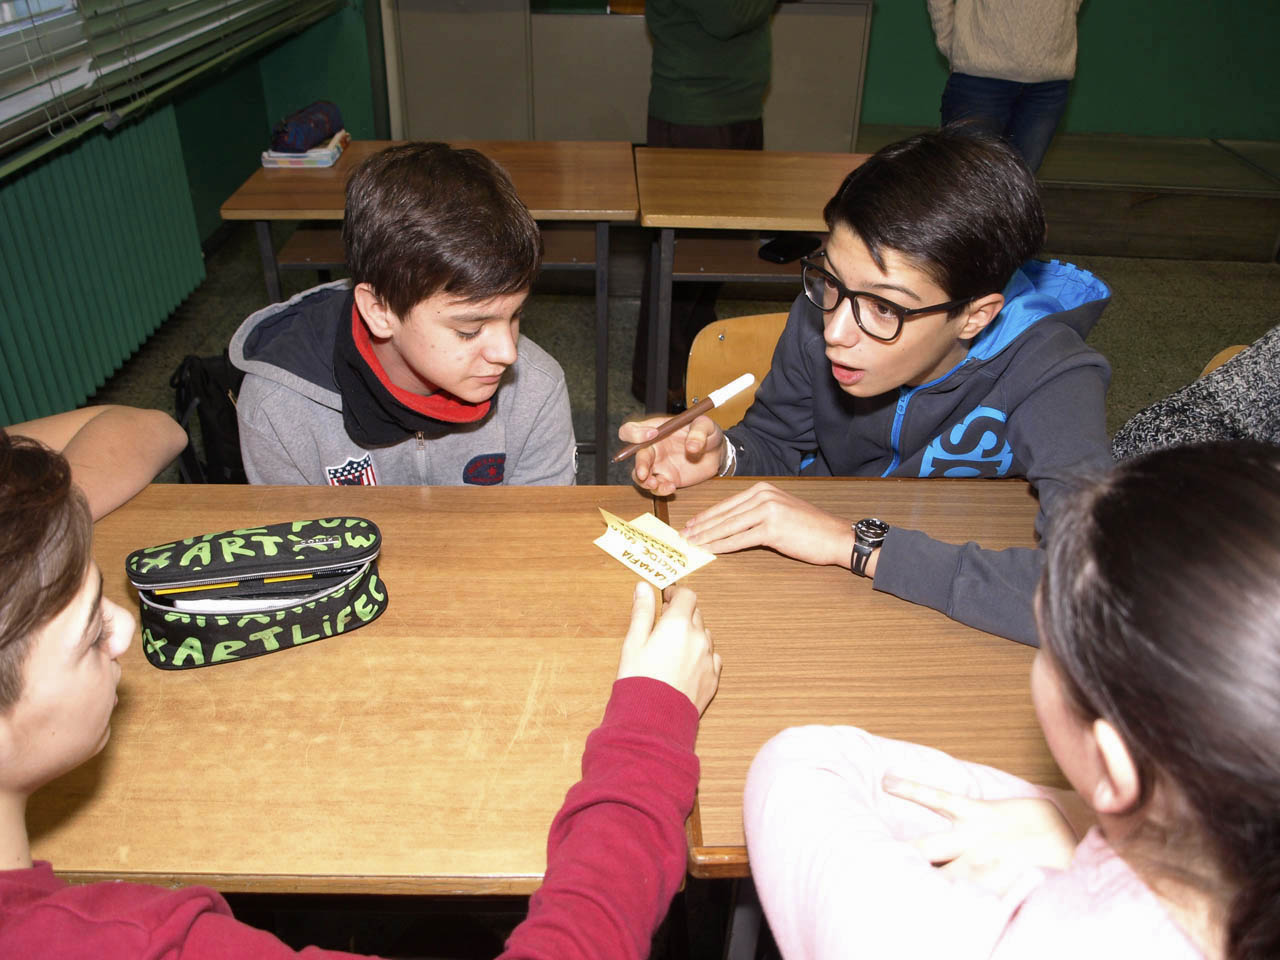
424 753
804 644
723 190
584 181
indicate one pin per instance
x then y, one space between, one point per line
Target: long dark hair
45 537
1160 605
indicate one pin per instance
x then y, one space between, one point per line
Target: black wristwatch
868 534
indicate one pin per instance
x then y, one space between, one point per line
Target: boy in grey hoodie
414 371
926 344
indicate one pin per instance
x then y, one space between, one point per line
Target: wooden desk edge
345 884
716 863
807 224
618 216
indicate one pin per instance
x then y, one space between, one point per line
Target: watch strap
858 559
865 542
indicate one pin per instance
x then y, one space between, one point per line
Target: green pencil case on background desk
218 597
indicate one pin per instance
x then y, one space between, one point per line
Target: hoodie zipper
422 456
900 412
895 434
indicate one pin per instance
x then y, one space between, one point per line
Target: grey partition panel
819 61
465 69
487 69
590 77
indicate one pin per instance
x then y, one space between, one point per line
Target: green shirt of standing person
711 60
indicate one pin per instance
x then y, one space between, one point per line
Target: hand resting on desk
677 650
764 516
688 456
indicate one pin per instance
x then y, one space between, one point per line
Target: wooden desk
424 753
563 180
719 190
804 644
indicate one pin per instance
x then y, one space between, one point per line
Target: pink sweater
838 877
615 857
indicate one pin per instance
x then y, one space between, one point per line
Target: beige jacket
1023 40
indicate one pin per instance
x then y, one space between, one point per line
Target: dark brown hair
958 203
1160 605
424 217
45 536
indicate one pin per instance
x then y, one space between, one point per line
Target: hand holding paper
676 650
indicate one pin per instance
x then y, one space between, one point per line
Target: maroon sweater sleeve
616 852
42 916
615 857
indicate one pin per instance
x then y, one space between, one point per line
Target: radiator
98 245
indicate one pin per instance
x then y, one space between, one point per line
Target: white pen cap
730 390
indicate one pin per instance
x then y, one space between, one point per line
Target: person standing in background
1011 66
711 67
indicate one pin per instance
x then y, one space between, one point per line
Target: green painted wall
225 120
1183 68
327 61
219 156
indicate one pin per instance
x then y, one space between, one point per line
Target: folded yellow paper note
651 548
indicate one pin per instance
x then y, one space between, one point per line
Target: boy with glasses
926 343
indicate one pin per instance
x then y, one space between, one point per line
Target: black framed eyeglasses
877 317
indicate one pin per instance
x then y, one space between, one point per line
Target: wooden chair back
1221 357
727 349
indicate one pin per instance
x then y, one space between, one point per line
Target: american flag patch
353 473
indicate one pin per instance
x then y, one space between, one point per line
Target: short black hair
957 202
424 217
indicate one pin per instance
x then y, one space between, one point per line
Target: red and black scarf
377 413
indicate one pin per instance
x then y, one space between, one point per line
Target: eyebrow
94 610
478 313
874 286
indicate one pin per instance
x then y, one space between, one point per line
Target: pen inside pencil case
255 593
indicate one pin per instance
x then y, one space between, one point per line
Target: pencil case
219 597
306 128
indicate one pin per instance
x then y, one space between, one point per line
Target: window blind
71 65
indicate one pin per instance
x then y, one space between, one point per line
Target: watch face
871 531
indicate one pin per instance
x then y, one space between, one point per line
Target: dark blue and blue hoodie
1026 401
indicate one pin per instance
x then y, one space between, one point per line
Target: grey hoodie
290 412
1028 400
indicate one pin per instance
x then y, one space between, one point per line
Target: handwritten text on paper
651 548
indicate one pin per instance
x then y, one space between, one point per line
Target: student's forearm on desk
991 590
616 852
114 451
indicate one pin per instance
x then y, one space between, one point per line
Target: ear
1117 786
380 318
980 312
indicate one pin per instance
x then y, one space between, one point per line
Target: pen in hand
713 399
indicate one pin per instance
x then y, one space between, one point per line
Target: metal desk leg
270 268
602 443
659 360
744 922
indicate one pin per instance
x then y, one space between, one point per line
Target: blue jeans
1025 114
